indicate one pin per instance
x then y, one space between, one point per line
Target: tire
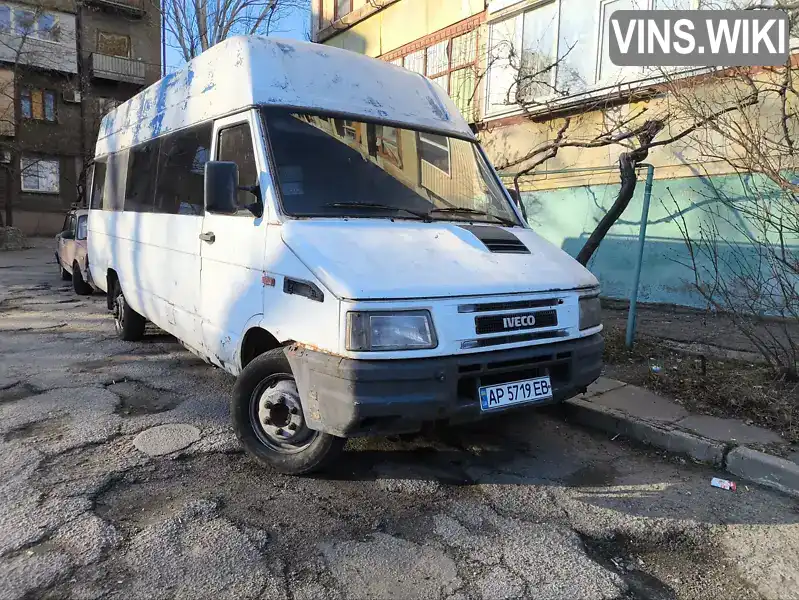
303 450
78 284
129 324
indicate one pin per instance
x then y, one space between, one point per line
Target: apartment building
480 50
63 64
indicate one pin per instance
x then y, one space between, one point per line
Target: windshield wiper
420 215
472 211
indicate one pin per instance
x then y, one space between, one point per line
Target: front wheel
128 323
269 422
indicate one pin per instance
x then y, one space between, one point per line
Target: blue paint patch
211 85
156 123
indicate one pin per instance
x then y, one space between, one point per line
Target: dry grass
706 385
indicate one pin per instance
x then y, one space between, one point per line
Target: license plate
515 392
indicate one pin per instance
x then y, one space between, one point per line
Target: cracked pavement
522 506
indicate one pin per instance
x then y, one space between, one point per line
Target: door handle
208 236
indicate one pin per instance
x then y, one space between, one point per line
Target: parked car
350 253
71 253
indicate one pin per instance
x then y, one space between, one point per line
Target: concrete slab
729 430
166 439
592 414
603 385
641 403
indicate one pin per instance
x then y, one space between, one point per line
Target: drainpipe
631 315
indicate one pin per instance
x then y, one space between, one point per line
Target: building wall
378 31
71 138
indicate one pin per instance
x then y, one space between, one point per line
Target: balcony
117 68
131 7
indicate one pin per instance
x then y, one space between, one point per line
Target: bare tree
743 243
193 26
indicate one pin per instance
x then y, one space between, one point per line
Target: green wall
567 216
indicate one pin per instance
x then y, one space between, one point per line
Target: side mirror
66 235
221 187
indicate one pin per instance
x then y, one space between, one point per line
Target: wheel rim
276 415
119 312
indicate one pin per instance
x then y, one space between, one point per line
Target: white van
325 227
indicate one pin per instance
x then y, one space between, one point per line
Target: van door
232 253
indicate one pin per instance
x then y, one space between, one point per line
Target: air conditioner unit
72 96
5 157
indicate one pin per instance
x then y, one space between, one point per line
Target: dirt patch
706 384
138 398
17 391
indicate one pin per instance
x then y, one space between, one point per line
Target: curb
746 463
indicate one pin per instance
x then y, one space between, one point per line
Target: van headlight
375 331
590 312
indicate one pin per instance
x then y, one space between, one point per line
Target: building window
113 44
39 175
451 65
27 23
571 36
106 105
388 144
37 104
434 150
343 8
347 129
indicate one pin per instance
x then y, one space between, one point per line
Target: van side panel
156 258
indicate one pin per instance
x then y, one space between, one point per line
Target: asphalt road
527 506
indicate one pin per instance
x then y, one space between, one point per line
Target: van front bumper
350 398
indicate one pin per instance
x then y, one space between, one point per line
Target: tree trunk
9 197
627 164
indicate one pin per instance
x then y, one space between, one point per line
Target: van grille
495 324
513 339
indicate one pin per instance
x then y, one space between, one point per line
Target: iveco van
325 227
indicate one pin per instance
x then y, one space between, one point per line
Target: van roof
252 70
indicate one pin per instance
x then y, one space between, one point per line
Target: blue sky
293 26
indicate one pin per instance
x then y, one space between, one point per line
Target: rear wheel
61 270
269 421
78 283
128 323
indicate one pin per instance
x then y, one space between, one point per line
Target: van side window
235 145
98 185
140 188
181 171
116 170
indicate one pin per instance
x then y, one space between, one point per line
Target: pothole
18 391
47 430
138 398
660 569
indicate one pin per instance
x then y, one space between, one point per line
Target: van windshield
334 167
